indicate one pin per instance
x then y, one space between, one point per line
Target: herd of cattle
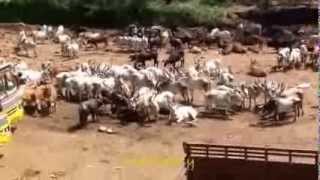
144 93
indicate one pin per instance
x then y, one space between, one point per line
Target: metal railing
250 153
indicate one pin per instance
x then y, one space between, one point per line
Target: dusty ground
153 153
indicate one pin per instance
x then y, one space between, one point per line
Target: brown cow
40 98
46 97
29 99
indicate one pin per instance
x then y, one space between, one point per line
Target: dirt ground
153 153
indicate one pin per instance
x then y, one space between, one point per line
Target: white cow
183 113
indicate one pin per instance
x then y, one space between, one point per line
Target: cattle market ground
148 153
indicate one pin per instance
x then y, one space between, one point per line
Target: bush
213 2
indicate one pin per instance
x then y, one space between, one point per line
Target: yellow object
11 116
5 134
15 114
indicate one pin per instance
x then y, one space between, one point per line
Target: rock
31 173
104 129
105 161
195 50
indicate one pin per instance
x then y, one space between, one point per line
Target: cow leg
169 123
54 106
144 64
146 113
156 116
35 52
135 65
27 53
182 62
95 118
297 108
70 95
183 94
175 67
83 118
191 96
276 113
254 101
155 62
38 106
187 96
243 103
169 116
295 113
67 94
301 106
80 96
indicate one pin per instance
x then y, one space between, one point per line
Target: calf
255 70
89 107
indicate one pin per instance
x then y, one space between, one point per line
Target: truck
11 110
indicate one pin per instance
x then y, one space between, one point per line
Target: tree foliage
112 12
